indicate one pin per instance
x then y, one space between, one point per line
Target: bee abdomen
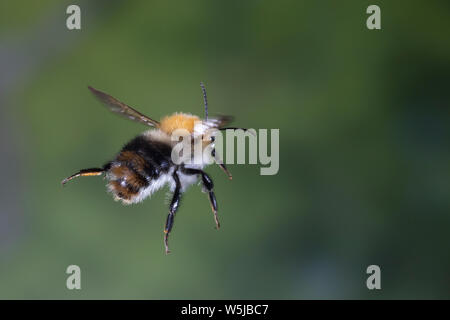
127 176
136 170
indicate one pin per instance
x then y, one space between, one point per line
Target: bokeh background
364 149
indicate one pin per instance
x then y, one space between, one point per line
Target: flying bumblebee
144 165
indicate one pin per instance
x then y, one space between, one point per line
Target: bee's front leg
208 185
172 210
221 164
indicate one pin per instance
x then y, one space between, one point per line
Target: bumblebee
144 165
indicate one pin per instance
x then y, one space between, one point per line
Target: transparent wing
121 108
219 121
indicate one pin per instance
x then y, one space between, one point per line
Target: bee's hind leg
84 173
208 185
172 210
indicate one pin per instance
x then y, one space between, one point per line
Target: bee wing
220 121
121 108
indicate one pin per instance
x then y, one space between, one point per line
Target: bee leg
208 185
172 210
84 173
224 168
221 165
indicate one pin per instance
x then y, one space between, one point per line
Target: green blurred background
364 149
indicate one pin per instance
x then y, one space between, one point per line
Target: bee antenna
205 100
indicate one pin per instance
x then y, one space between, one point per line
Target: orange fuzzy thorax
178 121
